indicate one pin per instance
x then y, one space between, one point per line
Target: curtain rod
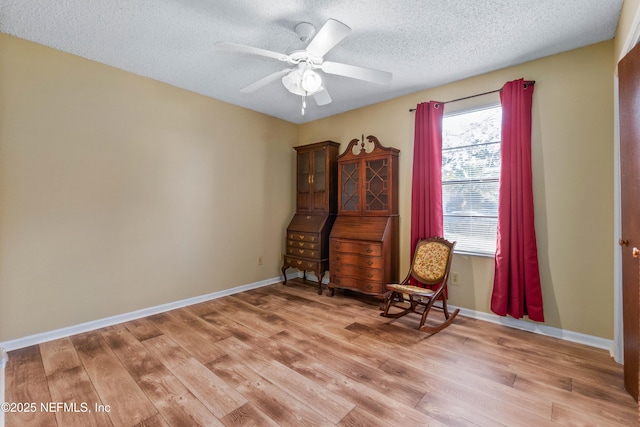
527 82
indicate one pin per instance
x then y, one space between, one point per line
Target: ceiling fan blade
331 33
265 81
355 72
322 97
253 50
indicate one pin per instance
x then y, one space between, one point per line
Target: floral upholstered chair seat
410 289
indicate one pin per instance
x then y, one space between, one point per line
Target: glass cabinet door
350 187
319 196
376 186
319 171
304 181
303 172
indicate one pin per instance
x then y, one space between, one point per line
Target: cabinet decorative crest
365 146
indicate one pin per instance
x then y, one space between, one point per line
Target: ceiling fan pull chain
304 104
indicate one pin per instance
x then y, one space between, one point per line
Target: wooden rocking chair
430 265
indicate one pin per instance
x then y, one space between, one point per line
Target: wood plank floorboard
154 378
112 381
26 382
283 408
286 356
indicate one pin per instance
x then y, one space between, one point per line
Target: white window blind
470 179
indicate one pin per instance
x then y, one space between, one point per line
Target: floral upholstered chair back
431 260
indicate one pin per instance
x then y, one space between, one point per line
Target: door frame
618 346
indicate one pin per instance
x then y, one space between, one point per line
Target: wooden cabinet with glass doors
363 245
307 239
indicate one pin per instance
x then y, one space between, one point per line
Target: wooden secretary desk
307 244
363 246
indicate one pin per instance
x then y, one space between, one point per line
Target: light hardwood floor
283 355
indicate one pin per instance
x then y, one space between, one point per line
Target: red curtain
426 187
516 285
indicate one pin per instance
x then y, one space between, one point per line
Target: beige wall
572 151
118 192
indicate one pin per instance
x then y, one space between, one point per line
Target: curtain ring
436 105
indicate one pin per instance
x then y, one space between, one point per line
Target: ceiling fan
302 78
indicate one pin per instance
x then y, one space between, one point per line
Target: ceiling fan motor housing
305 31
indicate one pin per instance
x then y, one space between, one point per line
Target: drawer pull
338 258
337 246
369 287
299 262
308 217
300 244
369 250
369 275
338 269
313 239
291 236
369 262
301 251
301 237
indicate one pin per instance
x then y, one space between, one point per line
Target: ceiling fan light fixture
293 82
311 81
302 82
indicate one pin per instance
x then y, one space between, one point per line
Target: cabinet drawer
356 271
363 248
300 244
300 263
358 284
305 253
353 259
303 237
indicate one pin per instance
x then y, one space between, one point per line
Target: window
470 179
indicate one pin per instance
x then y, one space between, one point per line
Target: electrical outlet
455 278
260 260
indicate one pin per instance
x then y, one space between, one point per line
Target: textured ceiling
423 43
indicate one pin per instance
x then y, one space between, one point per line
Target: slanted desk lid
307 223
360 227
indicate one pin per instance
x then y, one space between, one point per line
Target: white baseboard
549 331
125 317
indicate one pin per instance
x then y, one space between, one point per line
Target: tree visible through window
470 179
